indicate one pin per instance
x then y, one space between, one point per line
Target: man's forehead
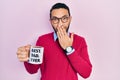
59 12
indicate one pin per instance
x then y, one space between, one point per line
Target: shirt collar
55 36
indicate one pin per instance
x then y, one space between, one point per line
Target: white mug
36 55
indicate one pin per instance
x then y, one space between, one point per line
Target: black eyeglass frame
56 20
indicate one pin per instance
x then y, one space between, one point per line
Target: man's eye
54 18
64 18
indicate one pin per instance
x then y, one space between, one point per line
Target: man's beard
66 29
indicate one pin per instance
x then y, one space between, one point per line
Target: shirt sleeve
33 68
79 60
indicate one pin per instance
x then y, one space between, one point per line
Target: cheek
54 27
66 26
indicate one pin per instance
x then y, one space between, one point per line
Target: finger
64 31
18 52
22 49
27 47
23 60
22 55
72 36
58 34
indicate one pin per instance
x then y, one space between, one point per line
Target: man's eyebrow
59 17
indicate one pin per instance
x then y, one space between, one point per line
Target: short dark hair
59 5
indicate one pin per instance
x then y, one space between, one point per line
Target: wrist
69 49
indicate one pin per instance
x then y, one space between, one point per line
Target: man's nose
60 23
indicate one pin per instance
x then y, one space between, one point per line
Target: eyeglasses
56 20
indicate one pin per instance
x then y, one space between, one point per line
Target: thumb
28 47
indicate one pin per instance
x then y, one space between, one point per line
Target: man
65 53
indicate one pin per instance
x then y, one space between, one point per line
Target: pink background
22 21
